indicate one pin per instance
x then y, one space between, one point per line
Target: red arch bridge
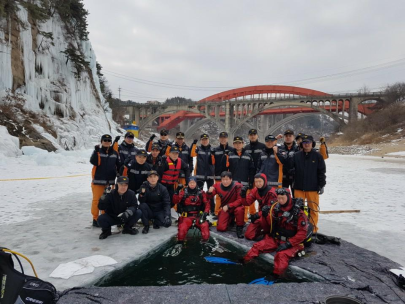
265 107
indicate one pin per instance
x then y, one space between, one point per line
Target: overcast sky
159 49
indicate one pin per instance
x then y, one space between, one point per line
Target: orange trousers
312 198
251 208
98 191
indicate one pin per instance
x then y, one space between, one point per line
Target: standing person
163 142
254 148
285 234
241 164
154 158
170 170
310 177
185 155
323 149
271 162
219 157
121 208
266 196
289 148
154 202
231 203
191 202
136 169
204 170
106 163
127 148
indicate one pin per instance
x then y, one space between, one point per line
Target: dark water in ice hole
190 267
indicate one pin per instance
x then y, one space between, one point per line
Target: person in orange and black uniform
289 148
254 148
271 162
127 148
163 142
219 156
204 171
106 163
309 177
185 155
154 158
170 170
136 169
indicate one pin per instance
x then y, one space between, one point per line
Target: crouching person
286 227
266 196
155 203
121 208
231 203
190 202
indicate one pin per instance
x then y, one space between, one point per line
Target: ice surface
400 153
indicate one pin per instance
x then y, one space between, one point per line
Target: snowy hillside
41 100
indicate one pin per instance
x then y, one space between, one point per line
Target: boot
131 231
145 230
239 232
105 234
95 224
155 225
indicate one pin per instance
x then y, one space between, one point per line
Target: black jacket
125 150
106 164
254 149
154 163
271 166
220 154
114 204
136 173
205 168
310 171
242 168
289 154
157 198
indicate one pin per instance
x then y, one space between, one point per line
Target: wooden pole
339 211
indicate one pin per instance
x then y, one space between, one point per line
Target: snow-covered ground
46 197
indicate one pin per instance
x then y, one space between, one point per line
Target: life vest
172 175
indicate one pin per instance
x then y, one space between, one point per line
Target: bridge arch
191 130
288 104
170 109
263 89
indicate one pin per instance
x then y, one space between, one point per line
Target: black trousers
148 214
210 183
289 183
105 221
170 189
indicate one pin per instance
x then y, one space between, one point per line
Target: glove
179 187
142 189
321 190
107 190
97 148
322 140
284 246
265 210
195 141
123 217
117 138
254 217
152 137
243 192
167 221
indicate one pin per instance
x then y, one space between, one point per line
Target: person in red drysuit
266 196
231 203
286 227
190 202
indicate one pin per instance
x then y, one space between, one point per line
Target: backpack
19 288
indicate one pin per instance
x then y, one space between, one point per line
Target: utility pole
119 92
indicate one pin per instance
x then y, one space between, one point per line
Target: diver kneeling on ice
232 209
121 208
194 207
286 227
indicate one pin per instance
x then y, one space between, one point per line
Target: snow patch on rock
9 144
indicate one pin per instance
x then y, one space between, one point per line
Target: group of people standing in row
279 177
